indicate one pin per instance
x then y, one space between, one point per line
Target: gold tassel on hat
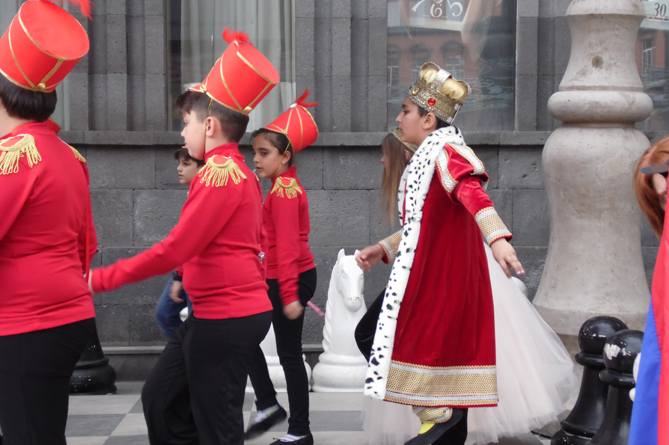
217 175
289 185
14 148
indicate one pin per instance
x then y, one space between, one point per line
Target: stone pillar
594 264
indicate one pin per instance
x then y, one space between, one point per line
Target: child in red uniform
291 273
195 392
46 229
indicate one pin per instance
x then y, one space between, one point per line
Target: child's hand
505 255
369 256
293 310
90 280
175 290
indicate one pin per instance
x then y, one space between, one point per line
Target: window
195 42
475 40
652 53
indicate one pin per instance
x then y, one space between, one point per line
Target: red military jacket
45 210
217 240
286 220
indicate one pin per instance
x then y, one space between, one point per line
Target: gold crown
429 96
411 147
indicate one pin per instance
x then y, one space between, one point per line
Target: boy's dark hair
22 103
233 124
440 123
278 140
182 153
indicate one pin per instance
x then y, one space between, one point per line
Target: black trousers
457 435
289 347
195 393
35 371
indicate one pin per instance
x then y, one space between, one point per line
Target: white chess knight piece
341 367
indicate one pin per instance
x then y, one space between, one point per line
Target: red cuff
287 299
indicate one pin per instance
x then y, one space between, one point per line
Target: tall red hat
297 124
42 45
241 77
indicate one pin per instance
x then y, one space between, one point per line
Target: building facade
358 57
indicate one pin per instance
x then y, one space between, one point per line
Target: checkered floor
118 419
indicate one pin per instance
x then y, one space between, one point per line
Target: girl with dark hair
291 272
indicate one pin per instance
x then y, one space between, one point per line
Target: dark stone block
113 323
531 218
533 260
352 168
121 167
156 214
339 218
113 216
520 168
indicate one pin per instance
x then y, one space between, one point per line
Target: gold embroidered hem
427 386
491 225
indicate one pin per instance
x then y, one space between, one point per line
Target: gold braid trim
217 175
77 154
491 225
291 188
14 148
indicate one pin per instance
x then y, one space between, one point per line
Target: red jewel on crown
431 101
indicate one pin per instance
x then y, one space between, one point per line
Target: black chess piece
588 412
619 354
93 374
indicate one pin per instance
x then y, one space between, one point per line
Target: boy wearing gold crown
46 230
434 346
195 392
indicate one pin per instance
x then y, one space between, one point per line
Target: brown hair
649 200
233 123
392 174
182 153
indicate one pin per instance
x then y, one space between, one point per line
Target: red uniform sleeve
264 241
205 213
462 175
92 236
15 189
286 219
471 194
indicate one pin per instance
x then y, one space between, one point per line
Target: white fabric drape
269 24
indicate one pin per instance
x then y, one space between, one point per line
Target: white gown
535 377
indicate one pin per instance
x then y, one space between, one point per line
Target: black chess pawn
588 412
619 354
93 374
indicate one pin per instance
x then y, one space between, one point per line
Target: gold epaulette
14 148
289 185
77 154
218 170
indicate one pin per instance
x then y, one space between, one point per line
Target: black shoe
306 440
438 430
258 428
